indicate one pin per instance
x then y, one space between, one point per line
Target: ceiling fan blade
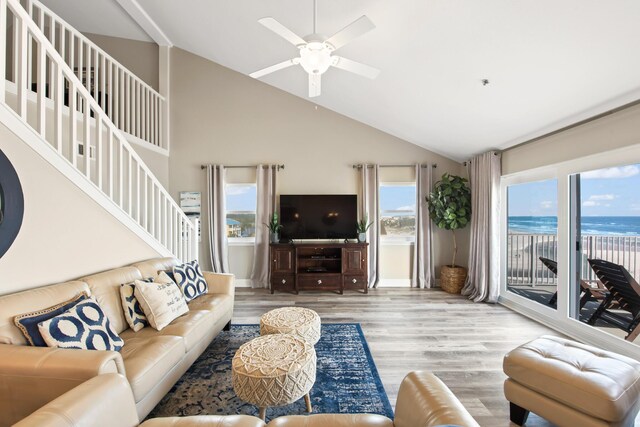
282 31
314 85
350 32
355 67
271 69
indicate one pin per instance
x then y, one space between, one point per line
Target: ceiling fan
316 51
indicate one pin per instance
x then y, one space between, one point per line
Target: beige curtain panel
369 189
265 207
423 275
217 218
483 281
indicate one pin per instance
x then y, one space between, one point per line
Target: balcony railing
524 252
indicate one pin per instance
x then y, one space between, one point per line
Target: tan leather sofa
106 400
152 361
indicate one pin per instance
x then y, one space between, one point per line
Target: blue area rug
347 380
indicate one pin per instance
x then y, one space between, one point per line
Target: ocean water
600 225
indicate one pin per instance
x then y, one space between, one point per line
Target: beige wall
64 233
139 57
158 163
617 130
221 116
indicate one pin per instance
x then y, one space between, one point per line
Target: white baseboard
243 283
394 283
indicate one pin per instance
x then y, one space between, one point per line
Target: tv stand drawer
319 281
355 282
282 282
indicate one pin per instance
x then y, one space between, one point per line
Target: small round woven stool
297 321
274 370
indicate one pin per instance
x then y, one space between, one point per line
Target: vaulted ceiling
549 63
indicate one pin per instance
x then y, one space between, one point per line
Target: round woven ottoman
297 321
274 370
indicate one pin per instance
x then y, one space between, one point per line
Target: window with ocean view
532 236
605 225
398 212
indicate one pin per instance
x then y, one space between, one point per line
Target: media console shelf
318 266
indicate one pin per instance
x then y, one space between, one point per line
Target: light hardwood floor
409 329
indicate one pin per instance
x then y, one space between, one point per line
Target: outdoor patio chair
588 292
624 294
553 267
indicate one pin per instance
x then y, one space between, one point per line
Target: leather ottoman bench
571 384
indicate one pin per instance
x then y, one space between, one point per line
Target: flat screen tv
318 216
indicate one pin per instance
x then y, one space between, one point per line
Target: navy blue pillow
28 322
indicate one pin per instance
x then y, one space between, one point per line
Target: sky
242 197
604 192
394 199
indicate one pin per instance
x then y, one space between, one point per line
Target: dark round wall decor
11 204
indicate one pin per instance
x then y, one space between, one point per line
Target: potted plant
274 227
450 209
362 228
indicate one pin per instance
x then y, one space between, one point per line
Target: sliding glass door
605 228
570 247
532 241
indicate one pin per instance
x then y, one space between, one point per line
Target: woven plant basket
452 278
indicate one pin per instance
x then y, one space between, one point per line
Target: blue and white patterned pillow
190 280
132 311
84 326
28 322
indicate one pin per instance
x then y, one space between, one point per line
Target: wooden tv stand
318 266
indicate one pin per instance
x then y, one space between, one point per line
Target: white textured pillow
162 301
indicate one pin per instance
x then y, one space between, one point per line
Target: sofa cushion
83 326
193 327
105 288
12 305
150 268
28 322
216 303
333 420
147 360
161 301
190 280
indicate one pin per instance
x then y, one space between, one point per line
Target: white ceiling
550 63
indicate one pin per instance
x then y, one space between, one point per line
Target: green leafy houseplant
450 206
274 223
362 225
274 227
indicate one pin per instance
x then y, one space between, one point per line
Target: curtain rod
435 165
495 153
278 167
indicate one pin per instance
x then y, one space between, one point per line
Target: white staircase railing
70 120
131 104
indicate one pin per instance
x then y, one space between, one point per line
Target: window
398 212
605 225
532 240
241 212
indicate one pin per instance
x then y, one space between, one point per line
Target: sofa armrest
33 376
424 400
220 283
105 400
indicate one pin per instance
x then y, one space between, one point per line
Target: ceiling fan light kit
316 52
